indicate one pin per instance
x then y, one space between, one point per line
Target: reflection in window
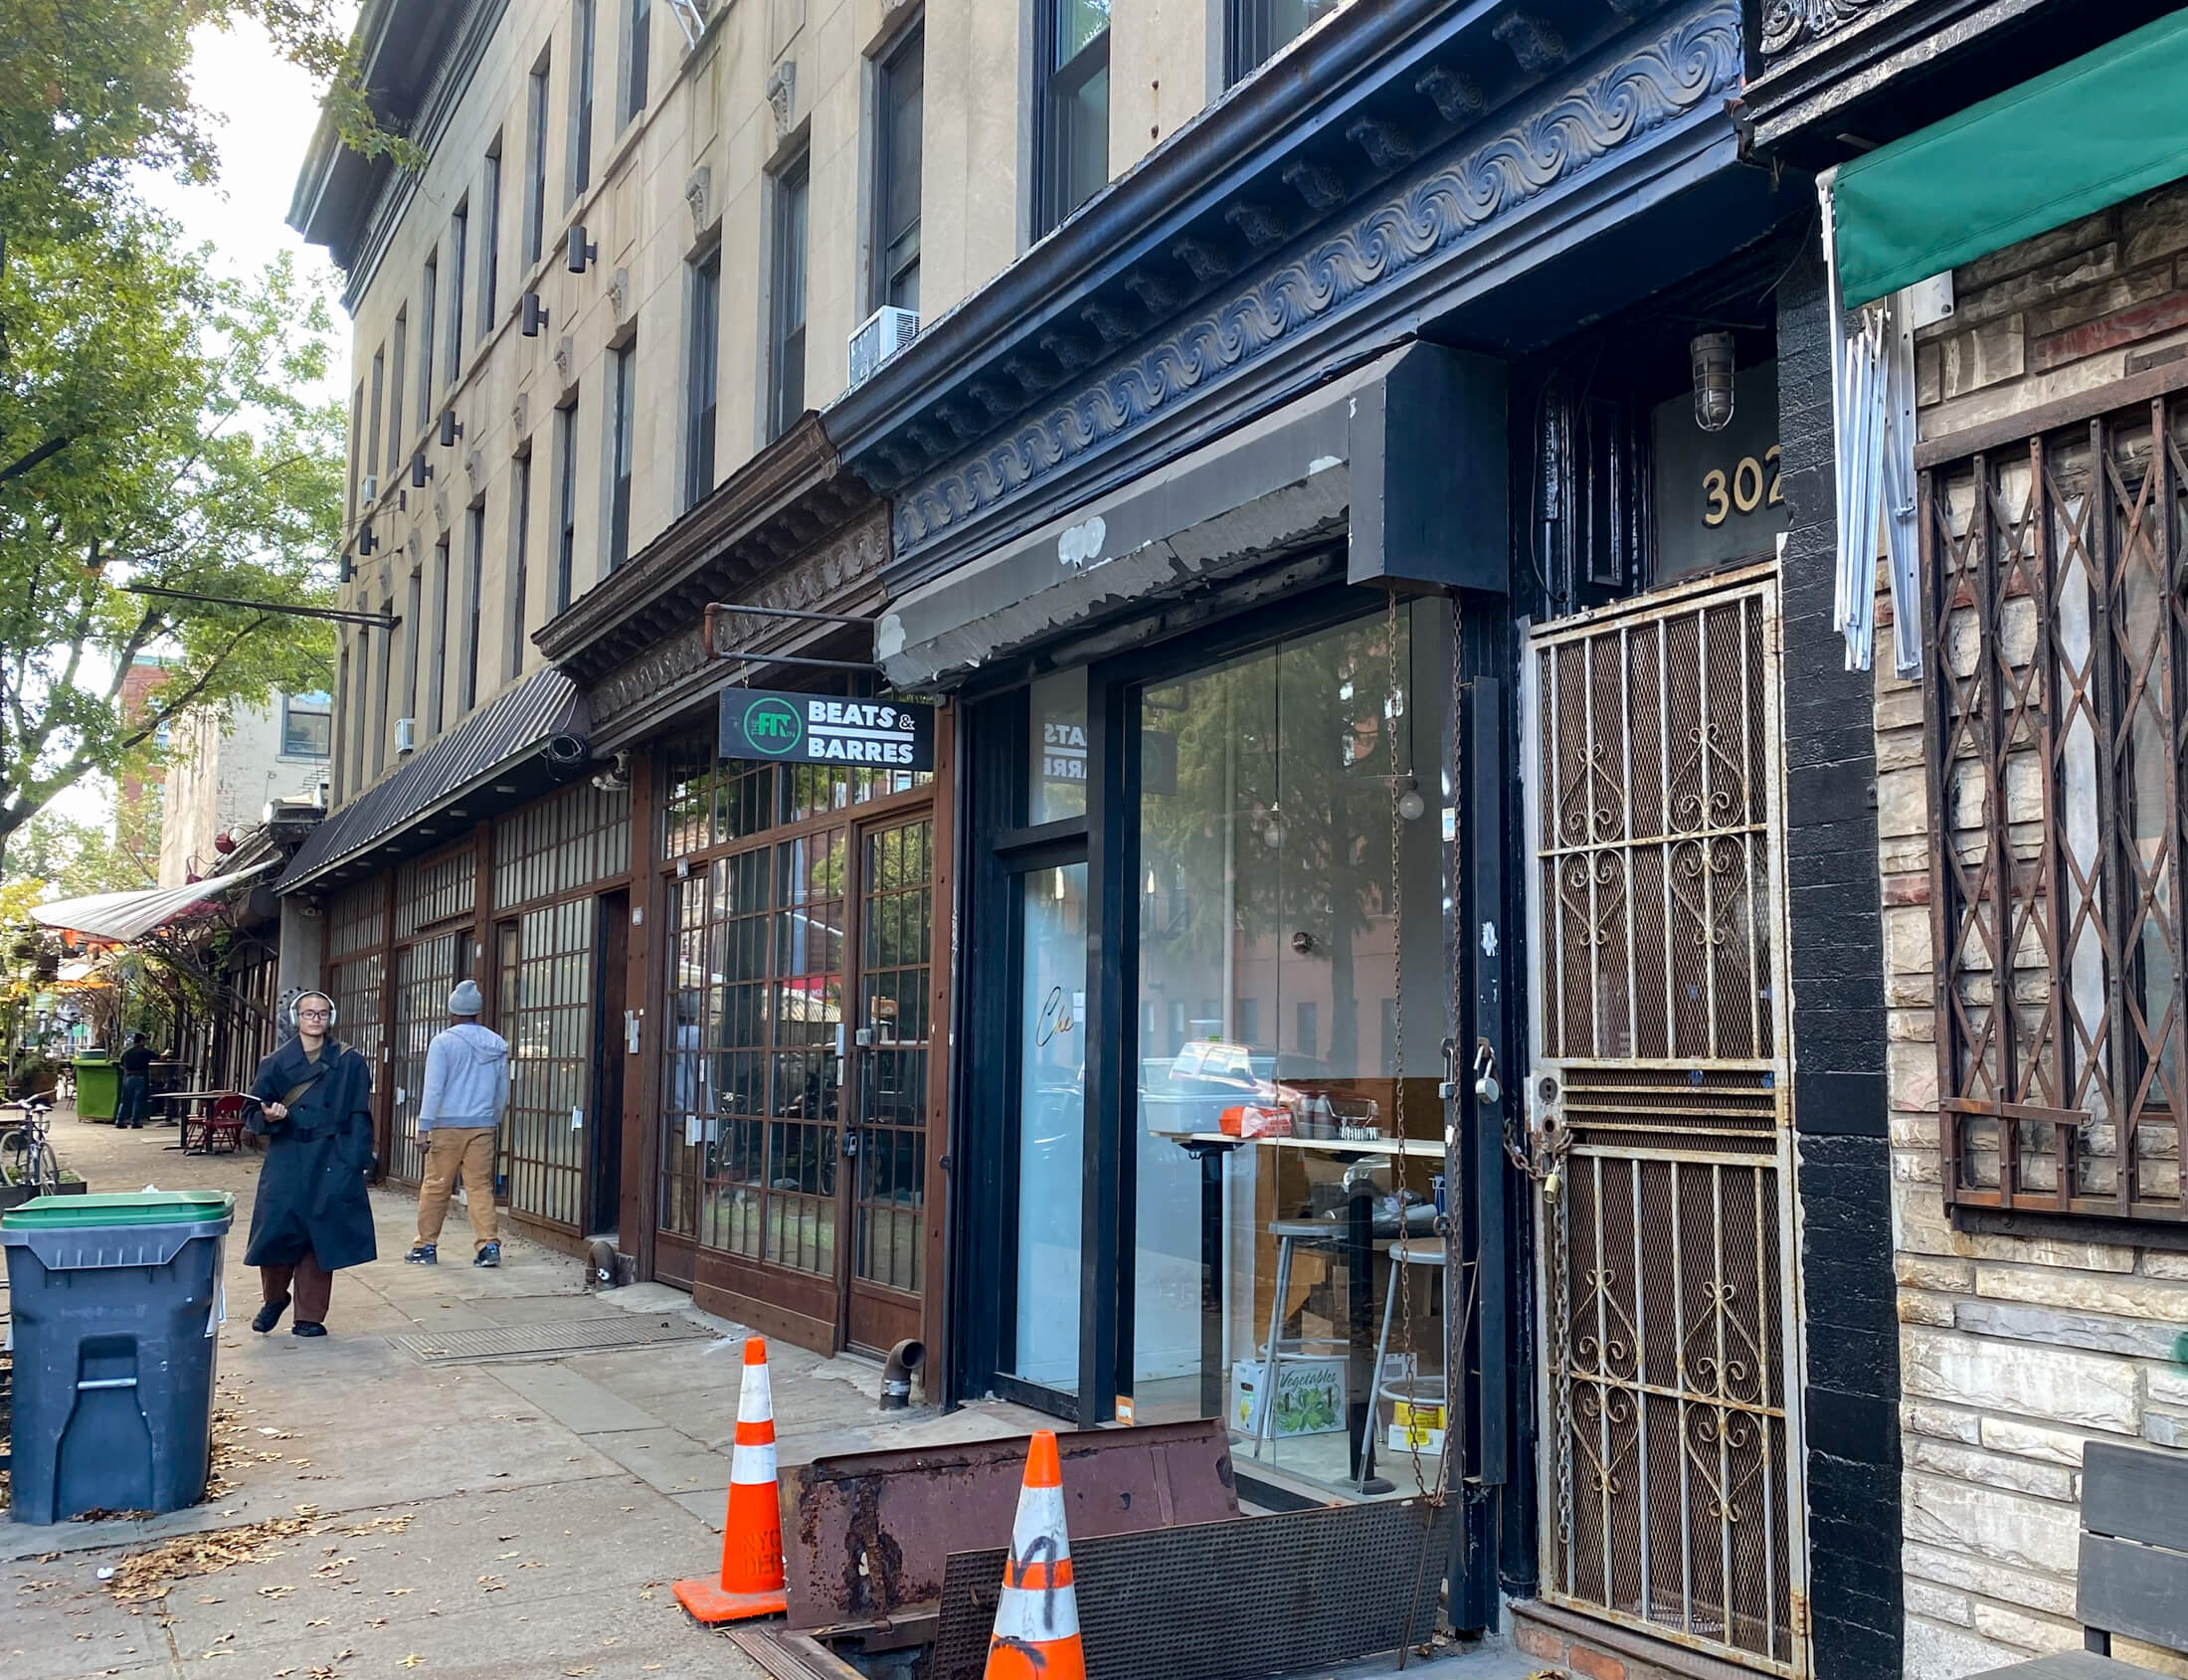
307 724
1075 109
1259 27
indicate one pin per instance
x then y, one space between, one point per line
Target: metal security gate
1660 1125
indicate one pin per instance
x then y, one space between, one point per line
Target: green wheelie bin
98 1086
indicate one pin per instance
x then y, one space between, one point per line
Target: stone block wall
2015 1351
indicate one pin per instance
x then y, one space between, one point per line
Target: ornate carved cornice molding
1787 24
1681 73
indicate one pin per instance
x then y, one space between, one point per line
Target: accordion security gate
1672 1492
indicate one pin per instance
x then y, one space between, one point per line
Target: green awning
2075 141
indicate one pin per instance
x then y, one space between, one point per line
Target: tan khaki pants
447 1148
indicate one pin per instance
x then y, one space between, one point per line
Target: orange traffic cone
752 1532
1036 1634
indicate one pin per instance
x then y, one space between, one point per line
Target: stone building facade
228 766
2023 1337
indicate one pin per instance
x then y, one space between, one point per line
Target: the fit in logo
774 727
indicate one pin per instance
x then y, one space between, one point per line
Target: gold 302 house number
1752 483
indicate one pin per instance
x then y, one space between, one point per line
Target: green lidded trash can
97 1087
116 1305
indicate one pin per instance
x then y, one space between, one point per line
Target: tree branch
44 453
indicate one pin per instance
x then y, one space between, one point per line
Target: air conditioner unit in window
879 337
406 735
369 491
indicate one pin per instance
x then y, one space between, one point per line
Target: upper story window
566 502
460 256
899 107
702 375
395 405
637 54
379 392
474 569
786 301
535 162
520 559
2053 662
356 442
584 20
1074 101
1257 28
622 421
489 241
428 300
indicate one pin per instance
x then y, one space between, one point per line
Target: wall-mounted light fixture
535 314
1713 380
366 541
579 252
451 429
420 471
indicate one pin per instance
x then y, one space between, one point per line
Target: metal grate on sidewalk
549 1341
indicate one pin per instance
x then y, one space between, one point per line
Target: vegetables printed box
1310 1395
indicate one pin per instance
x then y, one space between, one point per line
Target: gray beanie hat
464 1000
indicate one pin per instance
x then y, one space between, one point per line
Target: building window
2053 662
358 442
520 543
460 253
339 777
395 393
581 99
308 725
437 677
1074 108
1258 28
535 154
489 241
622 421
383 675
786 302
475 566
426 307
899 106
414 627
566 503
702 376
379 392
637 56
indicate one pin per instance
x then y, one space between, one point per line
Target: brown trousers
310 1284
447 1148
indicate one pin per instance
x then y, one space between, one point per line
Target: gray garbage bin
117 1310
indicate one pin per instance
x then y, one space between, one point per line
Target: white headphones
333 1010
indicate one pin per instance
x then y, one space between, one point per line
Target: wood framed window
702 376
786 302
900 118
535 162
584 22
1072 88
2054 643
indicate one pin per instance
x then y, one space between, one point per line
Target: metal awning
528 739
121 917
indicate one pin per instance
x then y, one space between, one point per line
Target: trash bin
97 1087
116 1306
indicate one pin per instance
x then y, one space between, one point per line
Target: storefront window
1056 743
1283 1148
1052 1124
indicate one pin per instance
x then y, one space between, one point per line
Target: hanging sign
795 728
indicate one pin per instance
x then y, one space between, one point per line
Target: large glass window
396 422
787 332
460 256
1257 28
1074 99
583 22
546 1005
637 60
428 299
1051 1081
307 724
1057 738
1283 1148
900 102
621 422
702 375
535 160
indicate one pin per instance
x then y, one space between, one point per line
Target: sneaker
269 1315
425 1255
305 1327
490 1256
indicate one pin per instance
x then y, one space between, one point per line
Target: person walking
459 1114
311 1217
136 1084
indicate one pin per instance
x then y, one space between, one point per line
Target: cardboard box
1310 1391
1416 1423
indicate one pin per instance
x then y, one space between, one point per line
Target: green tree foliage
187 461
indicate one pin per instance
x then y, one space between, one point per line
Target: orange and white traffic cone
752 1532
1036 1634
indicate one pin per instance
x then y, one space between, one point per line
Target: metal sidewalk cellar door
1660 1123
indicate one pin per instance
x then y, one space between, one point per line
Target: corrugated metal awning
515 730
124 916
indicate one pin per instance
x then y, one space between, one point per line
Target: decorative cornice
675 669
1787 24
1679 73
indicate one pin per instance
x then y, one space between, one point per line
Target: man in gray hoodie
467 1088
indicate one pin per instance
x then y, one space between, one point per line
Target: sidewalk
503 1521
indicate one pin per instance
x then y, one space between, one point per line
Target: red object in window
1255 1120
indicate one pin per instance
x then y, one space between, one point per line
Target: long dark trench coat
312 1190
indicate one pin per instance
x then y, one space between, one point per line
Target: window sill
2072 1227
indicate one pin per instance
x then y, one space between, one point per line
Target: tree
191 463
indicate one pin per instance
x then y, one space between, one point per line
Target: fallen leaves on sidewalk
151 1575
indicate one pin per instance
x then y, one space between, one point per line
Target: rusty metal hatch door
1660 1118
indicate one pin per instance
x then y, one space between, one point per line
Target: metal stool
1419 1251
1289 1234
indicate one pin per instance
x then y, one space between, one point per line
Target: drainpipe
896 1373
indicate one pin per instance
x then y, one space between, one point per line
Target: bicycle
25 1155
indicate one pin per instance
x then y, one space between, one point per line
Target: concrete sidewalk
509 1520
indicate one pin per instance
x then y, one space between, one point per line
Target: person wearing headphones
311 1217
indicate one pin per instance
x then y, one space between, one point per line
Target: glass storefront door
1051 1123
